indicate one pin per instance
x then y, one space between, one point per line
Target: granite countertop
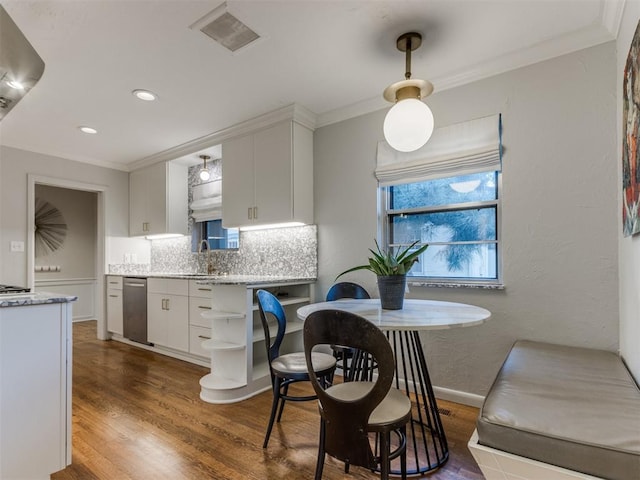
35 298
224 279
250 280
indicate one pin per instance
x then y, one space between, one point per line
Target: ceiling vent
226 29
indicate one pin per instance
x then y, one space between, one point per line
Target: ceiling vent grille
226 29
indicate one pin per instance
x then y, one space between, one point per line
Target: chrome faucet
210 268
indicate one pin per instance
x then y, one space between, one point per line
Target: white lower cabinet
197 335
239 367
199 327
35 390
168 313
114 304
217 325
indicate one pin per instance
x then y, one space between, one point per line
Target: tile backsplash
275 252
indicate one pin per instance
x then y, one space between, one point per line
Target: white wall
15 165
560 212
629 247
76 257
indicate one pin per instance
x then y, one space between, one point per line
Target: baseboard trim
457 396
185 357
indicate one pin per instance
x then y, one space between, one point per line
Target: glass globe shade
204 175
408 125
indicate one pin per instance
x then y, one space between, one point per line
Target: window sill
432 284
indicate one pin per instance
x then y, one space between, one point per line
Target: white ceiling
332 57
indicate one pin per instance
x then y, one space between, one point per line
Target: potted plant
391 270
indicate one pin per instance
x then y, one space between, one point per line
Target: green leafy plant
385 263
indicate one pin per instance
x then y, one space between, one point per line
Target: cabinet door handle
203 307
250 213
255 213
114 296
168 306
203 337
204 289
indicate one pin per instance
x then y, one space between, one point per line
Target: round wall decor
51 228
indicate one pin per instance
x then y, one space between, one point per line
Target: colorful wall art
630 134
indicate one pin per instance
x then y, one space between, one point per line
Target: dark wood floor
137 415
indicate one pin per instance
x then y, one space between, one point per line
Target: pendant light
204 173
409 123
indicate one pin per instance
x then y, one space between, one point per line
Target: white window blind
459 149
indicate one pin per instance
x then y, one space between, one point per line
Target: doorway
64 269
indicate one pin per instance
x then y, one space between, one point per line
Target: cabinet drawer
169 286
114 311
202 291
197 335
114 282
196 307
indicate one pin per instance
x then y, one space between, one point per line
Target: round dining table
427 447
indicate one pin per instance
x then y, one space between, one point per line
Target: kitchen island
239 367
213 320
35 384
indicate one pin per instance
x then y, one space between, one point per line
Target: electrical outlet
17 246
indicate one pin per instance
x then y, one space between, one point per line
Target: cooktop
13 289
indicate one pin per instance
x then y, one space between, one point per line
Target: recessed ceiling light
145 95
15 84
88 130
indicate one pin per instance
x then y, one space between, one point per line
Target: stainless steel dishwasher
134 302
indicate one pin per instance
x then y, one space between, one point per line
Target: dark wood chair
354 364
350 411
287 368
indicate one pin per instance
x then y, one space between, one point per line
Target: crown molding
612 15
577 40
354 110
572 42
293 112
65 156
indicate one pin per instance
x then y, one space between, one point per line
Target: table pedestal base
427 447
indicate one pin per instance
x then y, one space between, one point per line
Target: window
446 194
457 216
219 238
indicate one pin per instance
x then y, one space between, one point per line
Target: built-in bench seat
556 412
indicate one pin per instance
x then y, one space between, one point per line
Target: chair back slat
346 290
270 306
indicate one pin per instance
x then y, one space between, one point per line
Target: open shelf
213 382
239 368
284 301
221 315
292 327
260 370
214 344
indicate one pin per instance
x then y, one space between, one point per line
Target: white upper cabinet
158 200
267 176
238 181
